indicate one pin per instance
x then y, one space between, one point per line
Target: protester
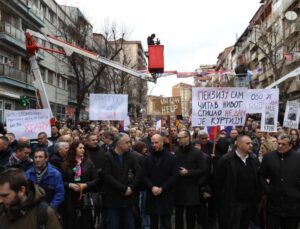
191 167
61 151
122 175
160 173
12 140
256 140
236 186
147 140
80 178
206 145
20 158
108 141
5 151
23 205
294 133
265 148
46 176
279 176
43 142
94 152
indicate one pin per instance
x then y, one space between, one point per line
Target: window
60 112
50 77
8 106
43 74
3 59
60 81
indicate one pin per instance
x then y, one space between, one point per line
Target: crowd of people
95 175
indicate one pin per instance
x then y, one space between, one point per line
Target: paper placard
257 99
218 106
28 123
291 116
108 107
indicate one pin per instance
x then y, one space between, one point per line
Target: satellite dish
291 15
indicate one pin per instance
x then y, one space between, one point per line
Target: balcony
12 36
12 76
292 30
29 12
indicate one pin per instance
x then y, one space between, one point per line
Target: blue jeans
120 218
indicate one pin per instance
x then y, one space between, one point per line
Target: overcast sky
193 32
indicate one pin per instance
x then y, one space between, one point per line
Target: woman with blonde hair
265 147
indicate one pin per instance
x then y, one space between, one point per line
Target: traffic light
24 101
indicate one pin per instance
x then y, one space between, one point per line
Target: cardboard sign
218 106
167 106
28 123
291 116
108 107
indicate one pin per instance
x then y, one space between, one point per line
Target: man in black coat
121 175
236 186
160 173
191 169
94 151
5 151
147 140
280 179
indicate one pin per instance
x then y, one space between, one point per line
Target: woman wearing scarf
79 178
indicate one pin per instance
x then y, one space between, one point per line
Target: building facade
45 16
269 47
185 92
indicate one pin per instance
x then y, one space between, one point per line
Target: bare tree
89 73
270 40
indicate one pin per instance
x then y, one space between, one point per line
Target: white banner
28 123
108 107
258 98
218 106
269 115
291 116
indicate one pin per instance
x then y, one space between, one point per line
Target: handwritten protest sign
291 116
258 98
167 106
218 106
28 122
269 112
108 107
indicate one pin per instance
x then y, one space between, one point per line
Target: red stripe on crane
74 46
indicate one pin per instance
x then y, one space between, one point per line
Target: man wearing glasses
280 179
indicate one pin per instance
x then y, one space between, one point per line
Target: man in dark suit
160 173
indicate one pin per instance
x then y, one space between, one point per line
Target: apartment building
45 16
269 47
15 17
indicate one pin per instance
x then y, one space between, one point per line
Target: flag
212 131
